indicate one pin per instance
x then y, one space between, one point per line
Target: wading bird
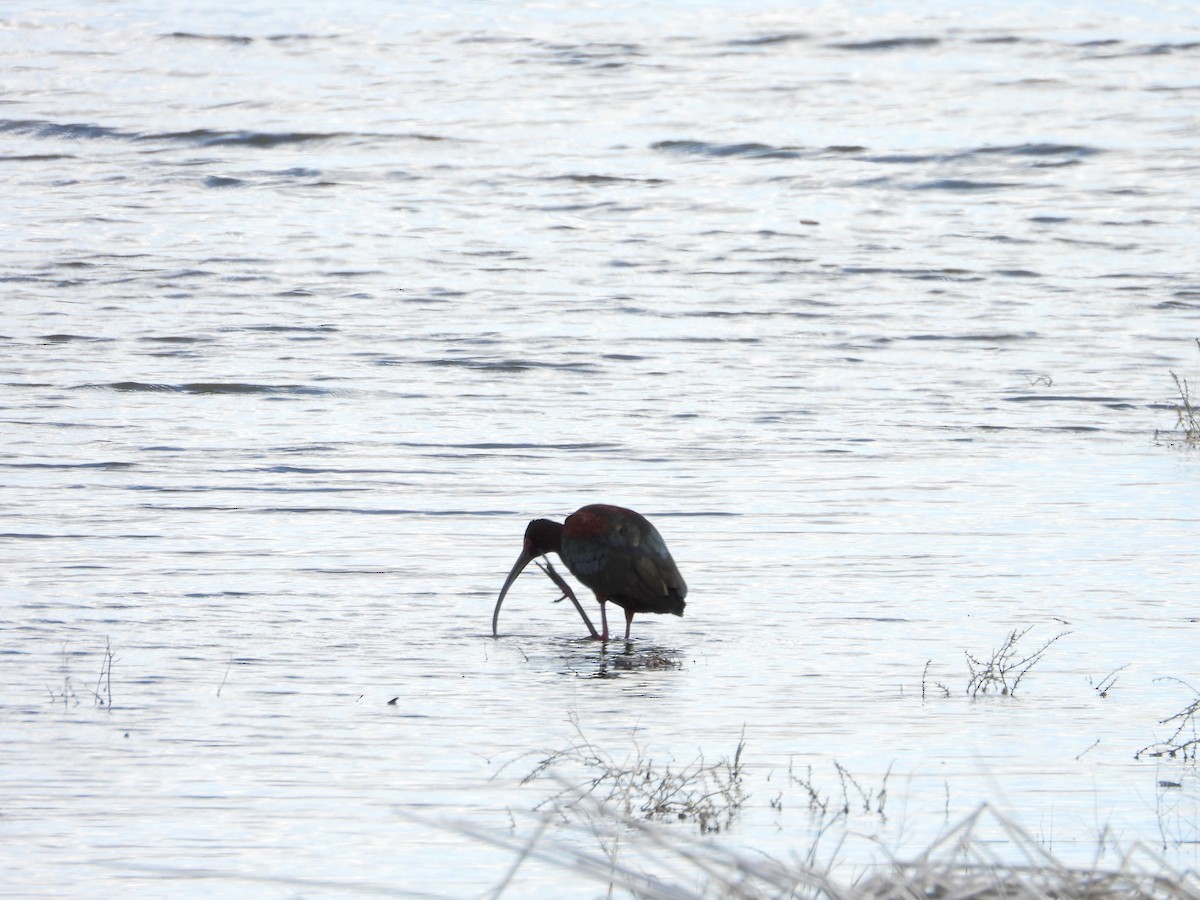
616 553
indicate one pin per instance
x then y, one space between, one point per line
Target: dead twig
1185 742
1109 681
1002 673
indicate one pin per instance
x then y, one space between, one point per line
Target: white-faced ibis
615 552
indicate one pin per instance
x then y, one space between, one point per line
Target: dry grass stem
67 695
965 863
1187 419
708 795
1187 415
945 691
105 677
986 856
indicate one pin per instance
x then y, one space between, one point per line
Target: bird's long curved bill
518 567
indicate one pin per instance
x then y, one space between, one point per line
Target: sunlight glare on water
873 312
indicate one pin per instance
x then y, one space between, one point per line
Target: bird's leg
603 619
628 623
552 574
568 594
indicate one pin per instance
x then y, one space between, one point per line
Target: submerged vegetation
854 797
1185 742
1001 673
708 795
66 693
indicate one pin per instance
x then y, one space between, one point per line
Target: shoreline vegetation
651 829
985 856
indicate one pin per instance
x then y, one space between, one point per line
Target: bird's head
541 537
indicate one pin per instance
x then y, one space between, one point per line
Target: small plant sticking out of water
1187 416
1002 673
101 693
66 694
103 690
854 797
1106 684
930 686
1186 411
1185 742
708 795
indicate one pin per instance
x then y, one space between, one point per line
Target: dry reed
986 856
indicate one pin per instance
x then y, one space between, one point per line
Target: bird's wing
631 562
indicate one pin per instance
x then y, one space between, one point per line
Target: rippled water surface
307 312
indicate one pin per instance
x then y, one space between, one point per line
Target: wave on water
106 464
217 38
496 365
963 184
592 54
1111 402
69 130
897 43
1039 149
767 40
204 137
218 181
753 150
242 38
68 338
199 137
605 179
985 337
286 329
210 387
1069 153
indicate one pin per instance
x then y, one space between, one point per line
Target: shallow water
306 315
